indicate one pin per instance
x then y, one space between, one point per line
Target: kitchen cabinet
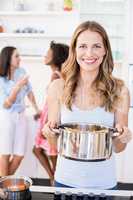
46 23
32 28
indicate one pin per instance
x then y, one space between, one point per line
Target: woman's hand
50 134
124 136
23 81
16 89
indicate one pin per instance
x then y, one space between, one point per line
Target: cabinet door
130 31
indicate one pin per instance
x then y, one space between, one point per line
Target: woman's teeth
89 61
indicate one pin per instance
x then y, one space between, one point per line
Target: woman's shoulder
19 72
124 97
56 87
124 90
1 78
57 83
121 86
4 80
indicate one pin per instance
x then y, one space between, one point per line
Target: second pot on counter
15 188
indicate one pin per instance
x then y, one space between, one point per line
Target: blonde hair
108 87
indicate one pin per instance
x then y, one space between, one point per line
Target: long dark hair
5 60
60 53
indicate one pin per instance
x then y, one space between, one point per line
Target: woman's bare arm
121 122
54 107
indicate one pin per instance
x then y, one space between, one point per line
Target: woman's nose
89 51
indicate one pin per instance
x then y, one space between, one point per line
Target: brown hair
60 53
107 86
5 60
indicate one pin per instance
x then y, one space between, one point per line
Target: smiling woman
88 93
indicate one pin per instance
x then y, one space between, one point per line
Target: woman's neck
54 68
87 78
11 75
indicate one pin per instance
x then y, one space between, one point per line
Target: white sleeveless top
98 175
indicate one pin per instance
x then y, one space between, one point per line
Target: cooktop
69 196
52 193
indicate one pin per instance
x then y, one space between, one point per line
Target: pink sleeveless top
40 140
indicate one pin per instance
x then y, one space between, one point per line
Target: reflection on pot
15 188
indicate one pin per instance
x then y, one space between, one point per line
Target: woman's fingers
125 134
23 81
119 128
53 125
46 130
49 134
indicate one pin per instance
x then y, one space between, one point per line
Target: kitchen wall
130 32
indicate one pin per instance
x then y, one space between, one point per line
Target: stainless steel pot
86 142
15 188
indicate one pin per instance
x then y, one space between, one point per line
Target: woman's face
15 59
48 58
89 51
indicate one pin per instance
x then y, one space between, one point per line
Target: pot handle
56 131
3 194
115 133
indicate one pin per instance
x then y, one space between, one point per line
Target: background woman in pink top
56 55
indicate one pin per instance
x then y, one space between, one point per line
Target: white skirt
13 132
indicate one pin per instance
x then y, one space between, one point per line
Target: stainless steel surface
86 142
15 187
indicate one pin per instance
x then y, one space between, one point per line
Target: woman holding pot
88 93
14 86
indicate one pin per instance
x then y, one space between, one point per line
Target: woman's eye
97 46
82 46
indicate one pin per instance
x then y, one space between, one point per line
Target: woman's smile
89 61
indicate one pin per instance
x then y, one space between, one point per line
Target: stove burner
78 196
